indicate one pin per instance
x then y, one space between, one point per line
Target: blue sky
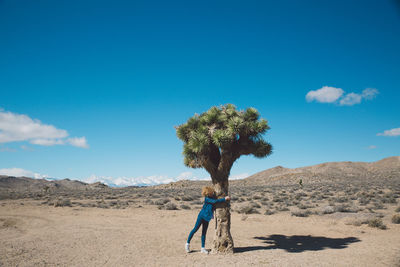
91 90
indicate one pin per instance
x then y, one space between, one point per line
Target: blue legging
200 221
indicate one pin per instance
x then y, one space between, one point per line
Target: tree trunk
223 242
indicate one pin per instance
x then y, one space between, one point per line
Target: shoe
187 247
203 250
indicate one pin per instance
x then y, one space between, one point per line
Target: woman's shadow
299 243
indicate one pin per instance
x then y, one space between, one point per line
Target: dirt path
41 235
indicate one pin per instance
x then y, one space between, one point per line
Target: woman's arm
213 201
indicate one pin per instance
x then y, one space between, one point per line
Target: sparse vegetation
396 219
376 223
301 213
171 206
63 203
247 209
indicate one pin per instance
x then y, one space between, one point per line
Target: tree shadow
299 243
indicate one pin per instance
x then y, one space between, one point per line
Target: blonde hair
207 191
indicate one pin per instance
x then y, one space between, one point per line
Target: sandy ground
34 235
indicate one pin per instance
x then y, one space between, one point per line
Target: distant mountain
388 168
34 185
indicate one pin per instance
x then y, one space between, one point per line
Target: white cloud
47 142
328 94
18 127
325 94
78 142
350 99
369 93
18 172
353 98
391 132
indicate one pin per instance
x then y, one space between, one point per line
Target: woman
205 215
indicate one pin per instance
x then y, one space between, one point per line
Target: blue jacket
206 212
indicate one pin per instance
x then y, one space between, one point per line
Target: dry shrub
247 209
63 203
397 209
328 210
301 213
187 198
171 206
161 201
345 208
396 219
269 212
103 205
376 223
185 207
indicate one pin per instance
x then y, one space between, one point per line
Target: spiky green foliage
216 138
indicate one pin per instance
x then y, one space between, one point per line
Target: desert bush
241 199
363 201
341 199
301 213
378 205
303 206
63 203
397 209
234 198
187 198
247 209
269 212
389 199
103 205
282 208
376 223
299 196
345 208
328 210
256 197
185 207
170 206
342 208
147 201
396 219
161 201
255 205
177 198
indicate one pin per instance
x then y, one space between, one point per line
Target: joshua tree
214 140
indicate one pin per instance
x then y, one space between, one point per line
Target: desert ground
329 220
37 235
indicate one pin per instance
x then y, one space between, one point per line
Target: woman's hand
227 198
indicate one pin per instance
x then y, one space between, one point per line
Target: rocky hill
388 168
